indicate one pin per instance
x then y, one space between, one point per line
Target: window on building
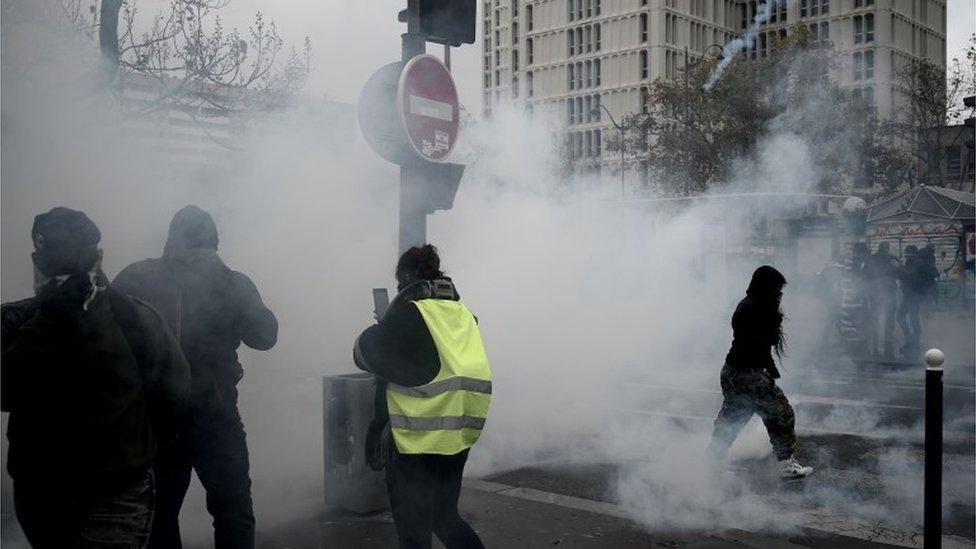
599 142
515 35
643 27
588 32
571 4
572 76
857 64
588 106
579 110
515 88
869 27
498 17
571 106
498 78
814 8
645 101
643 64
825 31
498 57
858 29
529 51
596 29
596 6
589 74
762 44
596 72
869 64
589 8
597 112
587 143
953 161
515 64
529 84
824 7
804 7
579 143
529 23
579 40
579 75
572 42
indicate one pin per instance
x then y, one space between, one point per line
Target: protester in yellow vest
433 393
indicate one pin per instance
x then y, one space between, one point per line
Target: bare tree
931 98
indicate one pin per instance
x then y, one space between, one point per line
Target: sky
349 47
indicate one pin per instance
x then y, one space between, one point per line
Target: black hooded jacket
210 308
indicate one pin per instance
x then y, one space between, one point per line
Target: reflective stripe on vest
446 415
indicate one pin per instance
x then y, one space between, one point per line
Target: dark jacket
752 340
918 276
89 392
211 310
399 349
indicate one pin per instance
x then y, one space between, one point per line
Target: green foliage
691 140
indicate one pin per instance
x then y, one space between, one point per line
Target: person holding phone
432 399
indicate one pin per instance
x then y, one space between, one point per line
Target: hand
65 298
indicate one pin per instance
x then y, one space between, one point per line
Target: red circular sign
428 104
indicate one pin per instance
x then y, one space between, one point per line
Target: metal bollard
932 514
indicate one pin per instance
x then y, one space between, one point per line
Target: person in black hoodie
749 376
93 381
212 310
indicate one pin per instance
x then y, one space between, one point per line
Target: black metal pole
932 513
412 212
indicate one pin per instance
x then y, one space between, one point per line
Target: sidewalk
506 516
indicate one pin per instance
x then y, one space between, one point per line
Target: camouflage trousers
746 393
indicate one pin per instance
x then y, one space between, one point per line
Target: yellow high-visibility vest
445 416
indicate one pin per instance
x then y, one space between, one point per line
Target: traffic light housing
450 22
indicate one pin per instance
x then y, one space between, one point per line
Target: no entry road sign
427 102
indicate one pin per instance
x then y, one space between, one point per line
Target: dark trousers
748 392
214 445
54 516
424 491
910 323
883 311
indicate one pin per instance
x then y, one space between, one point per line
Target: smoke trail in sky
745 41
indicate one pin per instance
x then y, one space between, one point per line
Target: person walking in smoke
212 310
749 375
917 279
882 268
433 393
93 381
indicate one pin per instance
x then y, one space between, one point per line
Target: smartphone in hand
381 302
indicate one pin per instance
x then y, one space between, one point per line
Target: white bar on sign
434 109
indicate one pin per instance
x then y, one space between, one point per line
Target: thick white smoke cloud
576 297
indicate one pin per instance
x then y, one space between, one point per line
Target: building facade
576 58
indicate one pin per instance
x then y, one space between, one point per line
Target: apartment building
873 40
576 58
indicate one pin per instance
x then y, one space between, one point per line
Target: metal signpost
409 113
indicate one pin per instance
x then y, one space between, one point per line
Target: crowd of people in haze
118 391
886 292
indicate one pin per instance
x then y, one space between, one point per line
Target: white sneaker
791 469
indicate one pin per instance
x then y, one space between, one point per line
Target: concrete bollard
932 513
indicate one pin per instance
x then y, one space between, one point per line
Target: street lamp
596 112
694 64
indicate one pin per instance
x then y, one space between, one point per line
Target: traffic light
450 22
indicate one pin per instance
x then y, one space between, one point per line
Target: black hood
191 229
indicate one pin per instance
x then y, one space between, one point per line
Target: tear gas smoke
578 298
744 42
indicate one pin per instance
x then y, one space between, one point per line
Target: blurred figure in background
432 400
212 310
93 382
749 376
882 269
917 278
